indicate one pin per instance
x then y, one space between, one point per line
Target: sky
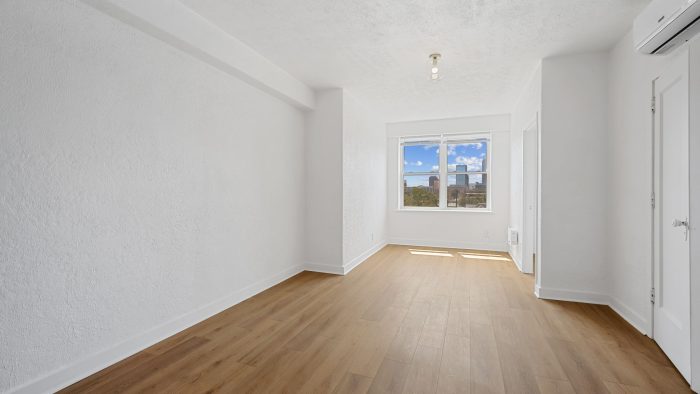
426 158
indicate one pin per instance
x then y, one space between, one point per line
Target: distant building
462 179
434 183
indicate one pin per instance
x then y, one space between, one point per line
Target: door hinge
653 103
652 295
653 200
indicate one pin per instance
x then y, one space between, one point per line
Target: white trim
572 295
347 267
324 268
442 140
631 317
515 261
492 246
95 362
352 264
436 209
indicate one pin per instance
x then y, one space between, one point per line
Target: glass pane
421 158
421 191
466 191
468 156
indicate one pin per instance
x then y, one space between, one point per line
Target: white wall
630 149
141 190
364 182
574 177
472 230
324 171
524 113
346 203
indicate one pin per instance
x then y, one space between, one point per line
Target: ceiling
378 50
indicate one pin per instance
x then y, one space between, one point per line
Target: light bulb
434 59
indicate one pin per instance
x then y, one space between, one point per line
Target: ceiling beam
177 25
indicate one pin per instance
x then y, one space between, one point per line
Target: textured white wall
137 184
524 112
364 181
324 171
475 230
574 176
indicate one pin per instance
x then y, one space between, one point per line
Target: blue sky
425 158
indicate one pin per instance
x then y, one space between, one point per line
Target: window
460 161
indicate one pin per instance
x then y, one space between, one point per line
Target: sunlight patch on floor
483 256
422 252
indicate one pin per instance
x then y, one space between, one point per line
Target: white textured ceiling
378 50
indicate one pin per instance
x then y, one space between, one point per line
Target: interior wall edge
626 313
517 262
91 364
355 262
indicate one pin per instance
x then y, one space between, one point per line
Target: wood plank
401 322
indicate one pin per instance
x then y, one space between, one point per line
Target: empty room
320 196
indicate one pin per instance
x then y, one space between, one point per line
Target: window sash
443 173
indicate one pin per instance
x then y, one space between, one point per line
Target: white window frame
442 140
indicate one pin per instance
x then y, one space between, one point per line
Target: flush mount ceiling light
434 70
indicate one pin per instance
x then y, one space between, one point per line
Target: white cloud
419 163
436 168
473 163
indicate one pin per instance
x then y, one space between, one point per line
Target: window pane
421 158
466 191
421 191
467 156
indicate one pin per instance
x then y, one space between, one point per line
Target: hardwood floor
414 320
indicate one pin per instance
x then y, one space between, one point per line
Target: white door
529 197
672 253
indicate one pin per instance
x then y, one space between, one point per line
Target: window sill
462 210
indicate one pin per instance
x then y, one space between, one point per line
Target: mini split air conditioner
665 25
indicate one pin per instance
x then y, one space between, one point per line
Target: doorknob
678 223
684 223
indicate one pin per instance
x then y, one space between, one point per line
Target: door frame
654 207
531 267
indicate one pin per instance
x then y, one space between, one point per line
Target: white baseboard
572 295
633 318
76 371
345 268
324 268
362 257
517 263
492 246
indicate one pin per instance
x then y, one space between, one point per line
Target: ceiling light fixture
434 71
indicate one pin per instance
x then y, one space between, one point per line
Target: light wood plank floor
422 322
